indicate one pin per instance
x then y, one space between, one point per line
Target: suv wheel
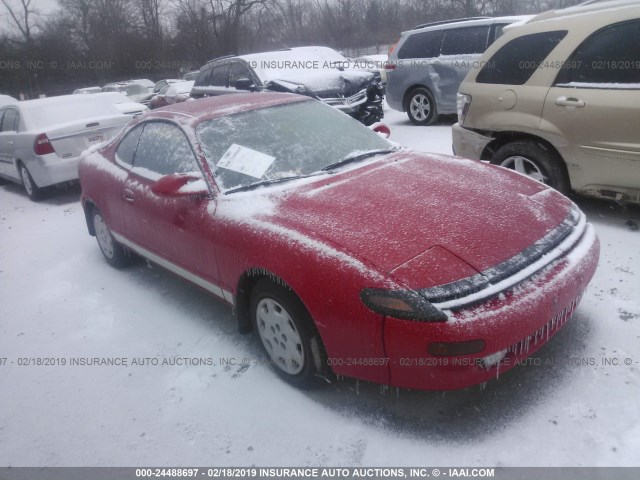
535 161
421 108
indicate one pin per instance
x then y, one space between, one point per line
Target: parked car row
317 72
264 199
555 97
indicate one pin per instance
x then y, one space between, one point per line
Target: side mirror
381 129
245 84
180 185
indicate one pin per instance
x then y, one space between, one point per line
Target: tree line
91 42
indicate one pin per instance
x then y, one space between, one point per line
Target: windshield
292 140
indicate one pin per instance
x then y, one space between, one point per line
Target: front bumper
467 143
513 324
50 169
365 106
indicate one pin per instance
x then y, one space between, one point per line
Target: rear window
421 45
464 41
516 61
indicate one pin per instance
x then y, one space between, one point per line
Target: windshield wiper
357 158
269 181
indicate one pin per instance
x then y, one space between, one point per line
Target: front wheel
115 254
421 108
288 334
34 192
535 161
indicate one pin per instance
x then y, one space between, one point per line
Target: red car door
171 228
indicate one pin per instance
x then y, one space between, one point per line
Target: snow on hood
388 212
306 67
331 80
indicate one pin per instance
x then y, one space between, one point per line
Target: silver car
41 140
428 64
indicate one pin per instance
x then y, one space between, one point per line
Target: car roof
586 17
196 111
467 22
596 6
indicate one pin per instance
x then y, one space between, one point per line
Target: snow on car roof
7 100
285 64
45 112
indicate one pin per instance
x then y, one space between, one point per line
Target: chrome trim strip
201 282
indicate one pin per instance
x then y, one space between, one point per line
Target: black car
317 72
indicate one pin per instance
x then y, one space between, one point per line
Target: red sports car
346 254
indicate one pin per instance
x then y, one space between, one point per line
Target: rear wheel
115 254
288 334
421 108
535 161
34 192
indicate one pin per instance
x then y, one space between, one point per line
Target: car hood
324 83
423 219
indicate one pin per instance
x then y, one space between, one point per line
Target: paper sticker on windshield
245 160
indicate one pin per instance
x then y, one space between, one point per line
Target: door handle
128 196
569 102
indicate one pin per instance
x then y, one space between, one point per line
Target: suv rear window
608 56
516 61
421 45
462 41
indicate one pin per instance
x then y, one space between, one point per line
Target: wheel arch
88 207
245 286
503 138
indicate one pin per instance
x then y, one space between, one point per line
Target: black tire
35 193
421 107
536 161
114 253
295 336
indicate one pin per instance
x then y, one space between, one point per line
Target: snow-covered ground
60 299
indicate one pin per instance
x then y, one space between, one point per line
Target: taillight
42 145
392 47
463 102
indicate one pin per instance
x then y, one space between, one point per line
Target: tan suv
558 99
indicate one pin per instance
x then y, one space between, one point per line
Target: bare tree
23 17
149 13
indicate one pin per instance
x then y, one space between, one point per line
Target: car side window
127 148
202 78
516 61
421 45
463 41
608 56
497 32
220 77
163 150
237 71
10 120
